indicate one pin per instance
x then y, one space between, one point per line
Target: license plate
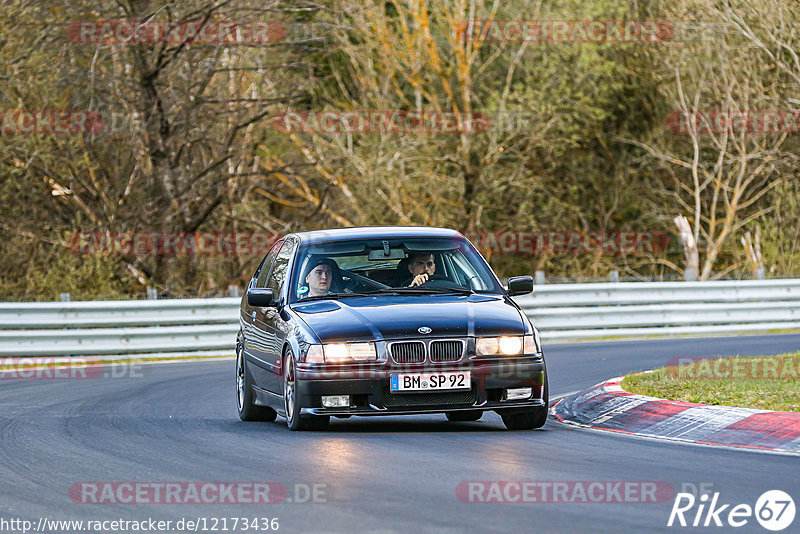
430 381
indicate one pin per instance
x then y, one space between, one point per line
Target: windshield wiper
418 290
458 290
332 296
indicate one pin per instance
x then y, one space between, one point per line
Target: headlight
342 352
506 346
335 352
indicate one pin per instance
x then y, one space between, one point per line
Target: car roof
374 232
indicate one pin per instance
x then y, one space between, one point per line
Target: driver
422 266
320 276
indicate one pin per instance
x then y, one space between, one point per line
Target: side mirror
520 285
262 297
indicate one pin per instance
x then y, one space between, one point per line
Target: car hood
390 317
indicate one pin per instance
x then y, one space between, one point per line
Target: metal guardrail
118 327
565 311
581 311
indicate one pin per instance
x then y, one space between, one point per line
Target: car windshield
387 266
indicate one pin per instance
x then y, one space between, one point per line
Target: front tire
244 393
291 404
534 418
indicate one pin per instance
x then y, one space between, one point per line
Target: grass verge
765 383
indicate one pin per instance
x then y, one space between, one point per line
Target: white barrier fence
580 311
564 311
118 327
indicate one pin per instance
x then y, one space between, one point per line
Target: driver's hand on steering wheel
419 279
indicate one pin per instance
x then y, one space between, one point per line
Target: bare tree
415 57
722 159
184 122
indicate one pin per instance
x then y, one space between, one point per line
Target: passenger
422 266
320 278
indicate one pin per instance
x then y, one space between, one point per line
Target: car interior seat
401 273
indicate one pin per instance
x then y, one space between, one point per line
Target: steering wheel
357 281
441 282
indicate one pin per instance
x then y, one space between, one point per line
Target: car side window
261 281
279 270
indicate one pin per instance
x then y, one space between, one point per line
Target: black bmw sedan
385 321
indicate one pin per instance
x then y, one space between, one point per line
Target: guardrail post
689 275
613 276
152 293
64 297
233 291
539 278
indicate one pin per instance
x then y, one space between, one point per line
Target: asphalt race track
178 423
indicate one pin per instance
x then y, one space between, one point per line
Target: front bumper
369 391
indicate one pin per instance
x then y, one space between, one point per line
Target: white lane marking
795 444
563 395
589 394
617 406
677 441
698 423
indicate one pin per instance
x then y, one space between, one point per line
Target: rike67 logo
774 510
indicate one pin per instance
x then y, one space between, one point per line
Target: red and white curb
607 406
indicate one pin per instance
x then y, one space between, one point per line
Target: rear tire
469 415
291 404
244 393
